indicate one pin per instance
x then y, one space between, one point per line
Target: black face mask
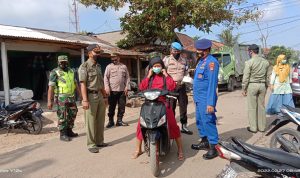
200 55
114 61
176 56
63 65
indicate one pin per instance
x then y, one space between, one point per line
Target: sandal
180 156
136 154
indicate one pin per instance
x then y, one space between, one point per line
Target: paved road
54 158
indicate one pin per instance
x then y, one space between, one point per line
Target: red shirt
158 83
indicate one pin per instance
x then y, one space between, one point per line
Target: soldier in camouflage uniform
63 84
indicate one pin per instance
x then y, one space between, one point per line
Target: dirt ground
44 155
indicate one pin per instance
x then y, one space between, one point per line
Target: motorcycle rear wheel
154 158
290 134
34 124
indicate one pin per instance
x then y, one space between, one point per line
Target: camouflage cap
62 58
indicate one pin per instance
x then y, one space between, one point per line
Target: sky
281 20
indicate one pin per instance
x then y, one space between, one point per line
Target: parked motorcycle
266 162
154 126
287 139
26 115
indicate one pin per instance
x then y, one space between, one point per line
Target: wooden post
138 71
82 55
5 72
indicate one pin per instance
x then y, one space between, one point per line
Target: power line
256 5
275 34
270 27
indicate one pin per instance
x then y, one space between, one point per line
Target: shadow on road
16 154
241 133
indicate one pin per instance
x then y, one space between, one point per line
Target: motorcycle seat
270 153
15 107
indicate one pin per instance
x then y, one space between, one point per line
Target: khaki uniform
177 69
91 75
116 79
255 82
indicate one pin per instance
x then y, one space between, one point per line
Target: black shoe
103 145
211 153
248 128
71 133
110 124
203 145
121 123
94 150
185 130
63 136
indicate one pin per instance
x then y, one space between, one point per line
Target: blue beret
176 45
203 44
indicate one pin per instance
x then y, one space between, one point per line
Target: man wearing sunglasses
116 82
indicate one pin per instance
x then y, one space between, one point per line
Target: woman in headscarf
280 85
157 73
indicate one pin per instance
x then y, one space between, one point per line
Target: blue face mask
156 70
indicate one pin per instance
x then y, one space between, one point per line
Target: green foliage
227 38
275 51
149 20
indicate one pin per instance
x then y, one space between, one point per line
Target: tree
227 38
264 36
150 20
275 51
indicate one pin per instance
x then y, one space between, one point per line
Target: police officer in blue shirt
205 98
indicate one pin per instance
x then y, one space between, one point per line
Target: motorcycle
26 115
266 162
154 126
286 139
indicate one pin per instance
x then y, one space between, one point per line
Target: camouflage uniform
66 105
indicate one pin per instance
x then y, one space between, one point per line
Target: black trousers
116 97
182 101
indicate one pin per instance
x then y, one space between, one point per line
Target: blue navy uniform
205 94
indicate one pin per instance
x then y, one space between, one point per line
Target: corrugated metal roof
22 32
66 37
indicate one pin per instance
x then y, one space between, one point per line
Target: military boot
203 145
64 136
71 133
211 153
110 123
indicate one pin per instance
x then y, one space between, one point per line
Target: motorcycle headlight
152 95
142 122
162 121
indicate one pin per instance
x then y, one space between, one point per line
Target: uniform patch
200 76
211 66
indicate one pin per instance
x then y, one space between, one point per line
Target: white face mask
156 70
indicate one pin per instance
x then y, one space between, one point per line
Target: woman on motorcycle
156 73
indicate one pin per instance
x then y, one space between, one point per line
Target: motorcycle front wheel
154 158
290 135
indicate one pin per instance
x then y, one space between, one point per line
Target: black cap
253 47
91 47
156 60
